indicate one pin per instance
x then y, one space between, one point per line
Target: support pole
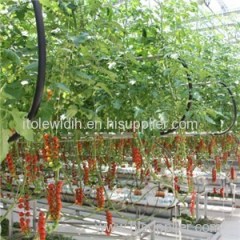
153 232
34 206
10 229
205 203
197 206
233 189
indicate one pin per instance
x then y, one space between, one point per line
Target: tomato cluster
46 152
11 165
225 156
176 184
41 226
51 148
214 175
218 163
221 192
79 196
212 146
192 203
168 164
109 223
92 164
119 145
74 174
24 214
156 166
111 175
31 166
189 168
54 199
100 197
201 147
233 173
49 94
137 157
227 143
55 147
79 147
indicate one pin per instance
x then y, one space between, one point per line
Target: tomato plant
123 62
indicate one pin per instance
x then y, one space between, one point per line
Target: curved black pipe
41 65
189 103
234 119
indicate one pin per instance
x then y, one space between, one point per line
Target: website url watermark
162 228
110 125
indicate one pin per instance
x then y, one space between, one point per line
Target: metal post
226 188
179 229
10 230
138 216
233 188
197 206
34 206
205 203
153 232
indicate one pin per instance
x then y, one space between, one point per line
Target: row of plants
122 62
79 164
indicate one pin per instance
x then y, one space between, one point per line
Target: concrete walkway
231 226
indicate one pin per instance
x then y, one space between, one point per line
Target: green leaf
4 145
46 111
10 90
84 78
22 124
103 87
27 133
110 74
131 58
72 111
63 87
117 104
32 67
11 56
197 96
210 120
90 114
137 111
101 107
80 39
63 7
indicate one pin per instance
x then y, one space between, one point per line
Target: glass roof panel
221 6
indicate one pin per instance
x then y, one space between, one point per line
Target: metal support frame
150 226
233 190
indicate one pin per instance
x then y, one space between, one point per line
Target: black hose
234 119
189 103
41 65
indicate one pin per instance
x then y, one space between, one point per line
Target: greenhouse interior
119 119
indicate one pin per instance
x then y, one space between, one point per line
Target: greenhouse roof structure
222 6
222 15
